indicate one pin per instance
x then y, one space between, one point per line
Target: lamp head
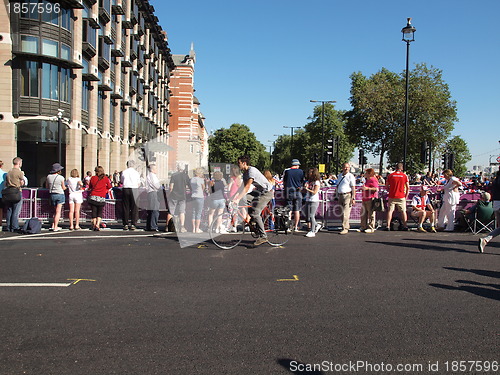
408 32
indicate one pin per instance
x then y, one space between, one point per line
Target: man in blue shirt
293 181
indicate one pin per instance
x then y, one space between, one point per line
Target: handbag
378 205
11 195
96 200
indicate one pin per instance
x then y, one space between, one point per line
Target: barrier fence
36 204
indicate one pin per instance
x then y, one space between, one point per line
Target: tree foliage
308 141
376 121
226 145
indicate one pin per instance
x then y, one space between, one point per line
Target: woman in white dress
450 198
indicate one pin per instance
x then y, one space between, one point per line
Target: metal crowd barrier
36 204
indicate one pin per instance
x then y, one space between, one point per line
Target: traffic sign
498 159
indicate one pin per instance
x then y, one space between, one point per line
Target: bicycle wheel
226 232
275 236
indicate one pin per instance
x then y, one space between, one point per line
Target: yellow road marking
76 281
295 278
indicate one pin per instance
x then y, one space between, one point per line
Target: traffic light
361 156
451 161
365 160
424 152
329 146
315 159
445 161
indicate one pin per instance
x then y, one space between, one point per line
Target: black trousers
130 209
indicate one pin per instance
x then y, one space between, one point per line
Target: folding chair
484 219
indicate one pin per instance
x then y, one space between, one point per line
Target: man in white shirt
131 180
346 194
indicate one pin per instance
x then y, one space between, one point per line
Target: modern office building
89 80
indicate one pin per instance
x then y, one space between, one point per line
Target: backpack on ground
32 226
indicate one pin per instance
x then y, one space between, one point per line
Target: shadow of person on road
478 291
425 246
494 274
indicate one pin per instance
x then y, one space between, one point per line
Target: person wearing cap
56 185
293 181
422 209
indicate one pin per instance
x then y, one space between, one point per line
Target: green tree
308 140
461 154
376 121
226 145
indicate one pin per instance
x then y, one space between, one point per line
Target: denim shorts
56 199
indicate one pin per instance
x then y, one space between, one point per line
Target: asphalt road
314 305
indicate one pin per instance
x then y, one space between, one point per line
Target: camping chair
484 218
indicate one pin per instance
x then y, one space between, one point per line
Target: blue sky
260 62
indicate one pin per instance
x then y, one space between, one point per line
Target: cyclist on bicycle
258 192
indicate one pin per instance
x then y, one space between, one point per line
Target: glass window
85 95
112 113
50 82
50 13
65 85
65 52
32 9
85 64
100 105
66 18
50 47
29 44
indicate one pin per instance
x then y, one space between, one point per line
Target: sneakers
344 231
481 244
433 230
311 234
405 229
183 230
260 241
369 230
421 229
131 227
125 227
318 228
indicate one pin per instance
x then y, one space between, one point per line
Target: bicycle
227 229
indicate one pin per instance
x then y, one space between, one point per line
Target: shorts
75 197
177 205
218 204
397 202
1 204
294 200
56 199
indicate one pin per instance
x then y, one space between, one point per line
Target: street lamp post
291 141
408 37
322 125
59 135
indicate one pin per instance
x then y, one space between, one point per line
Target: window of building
29 79
65 85
100 104
50 82
32 12
89 34
50 13
65 52
29 44
85 95
50 47
66 19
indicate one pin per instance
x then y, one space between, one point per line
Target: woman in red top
99 186
370 191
